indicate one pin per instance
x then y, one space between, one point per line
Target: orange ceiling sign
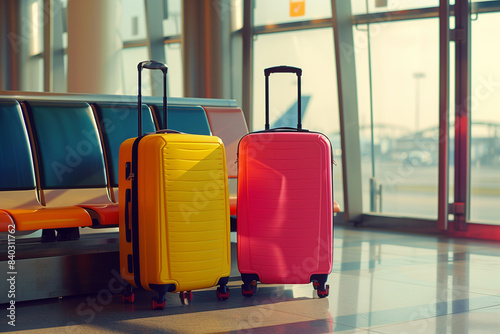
297 8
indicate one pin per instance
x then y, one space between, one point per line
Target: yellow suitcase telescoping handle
152 65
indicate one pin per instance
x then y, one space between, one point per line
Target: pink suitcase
284 209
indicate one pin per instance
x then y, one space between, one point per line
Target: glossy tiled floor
382 282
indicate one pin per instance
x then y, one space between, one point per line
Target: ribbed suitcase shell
183 232
285 217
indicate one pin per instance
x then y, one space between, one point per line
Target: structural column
462 113
444 74
348 109
206 48
247 70
3 46
12 45
94 47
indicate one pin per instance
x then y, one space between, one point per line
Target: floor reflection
382 282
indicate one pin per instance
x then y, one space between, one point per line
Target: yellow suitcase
174 214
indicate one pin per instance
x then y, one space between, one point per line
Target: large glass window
131 57
313 51
405 94
485 120
32 37
172 23
133 31
374 6
284 11
172 29
173 53
133 25
134 36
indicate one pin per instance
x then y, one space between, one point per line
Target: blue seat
187 119
68 145
118 122
71 162
18 194
16 163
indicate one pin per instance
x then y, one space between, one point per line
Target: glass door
474 122
485 120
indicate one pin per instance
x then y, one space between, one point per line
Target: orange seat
5 221
336 207
93 200
48 218
232 205
107 213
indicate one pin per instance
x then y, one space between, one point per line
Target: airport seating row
59 159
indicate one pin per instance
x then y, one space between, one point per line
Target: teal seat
186 119
68 145
16 163
69 160
118 123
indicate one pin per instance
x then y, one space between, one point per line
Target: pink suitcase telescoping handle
152 65
284 69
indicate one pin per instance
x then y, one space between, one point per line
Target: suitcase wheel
128 295
249 289
128 299
222 293
158 303
186 297
323 293
315 285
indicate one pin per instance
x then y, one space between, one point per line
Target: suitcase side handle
284 69
152 65
128 231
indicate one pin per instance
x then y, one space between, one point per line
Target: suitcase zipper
128 172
